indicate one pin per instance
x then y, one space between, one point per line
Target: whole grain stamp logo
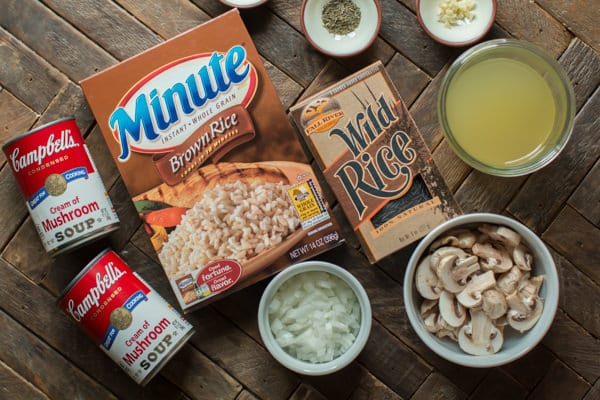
212 223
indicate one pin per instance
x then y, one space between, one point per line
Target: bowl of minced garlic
456 23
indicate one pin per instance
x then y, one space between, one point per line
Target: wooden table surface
47 47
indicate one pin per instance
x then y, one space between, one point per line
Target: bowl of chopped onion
314 318
456 23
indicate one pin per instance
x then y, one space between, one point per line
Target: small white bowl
462 34
515 344
346 45
292 363
243 3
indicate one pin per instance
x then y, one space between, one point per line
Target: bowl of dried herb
340 28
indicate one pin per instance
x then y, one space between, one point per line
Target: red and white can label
130 321
63 191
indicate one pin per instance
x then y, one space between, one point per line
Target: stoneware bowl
515 344
243 3
463 33
340 45
304 367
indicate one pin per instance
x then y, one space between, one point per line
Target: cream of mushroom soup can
121 313
64 193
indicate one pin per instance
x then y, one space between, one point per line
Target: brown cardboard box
211 161
375 161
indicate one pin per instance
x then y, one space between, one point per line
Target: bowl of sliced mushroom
481 290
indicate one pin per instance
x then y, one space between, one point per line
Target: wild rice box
375 160
211 161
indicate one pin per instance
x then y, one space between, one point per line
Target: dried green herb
340 17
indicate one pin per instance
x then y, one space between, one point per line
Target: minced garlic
452 11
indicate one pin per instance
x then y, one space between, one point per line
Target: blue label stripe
132 302
37 198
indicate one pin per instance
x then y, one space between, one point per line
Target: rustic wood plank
574 346
582 65
541 197
497 385
392 362
55 40
197 376
481 192
526 20
532 367
168 19
69 102
115 30
28 77
12 205
580 17
369 387
574 286
245 395
287 89
452 168
305 392
128 215
437 386
16 119
586 198
38 363
560 383
14 387
594 392
26 252
409 79
575 238
35 308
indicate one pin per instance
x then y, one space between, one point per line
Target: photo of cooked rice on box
212 164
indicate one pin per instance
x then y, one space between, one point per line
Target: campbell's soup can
64 193
123 315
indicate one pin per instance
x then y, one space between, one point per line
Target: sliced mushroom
508 282
525 305
522 257
428 306
493 257
442 252
451 310
501 234
462 238
471 295
427 281
525 321
494 304
446 277
479 336
431 322
465 267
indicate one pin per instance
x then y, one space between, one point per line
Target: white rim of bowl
236 5
492 360
303 367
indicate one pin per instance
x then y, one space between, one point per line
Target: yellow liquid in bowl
501 112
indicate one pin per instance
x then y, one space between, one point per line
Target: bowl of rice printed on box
314 318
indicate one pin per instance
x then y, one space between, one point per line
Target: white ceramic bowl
515 344
461 34
292 363
243 3
340 45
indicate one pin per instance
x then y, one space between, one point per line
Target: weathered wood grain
12 205
409 79
560 383
287 89
497 385
452 168
13 386
115 30
530 369
438 387
481 192
526 20
574 346
370 387
575 238
541 197
69 102
582 65
305 392
576 285
586 198
54 39
16 119
37 362
399 27
27 76
579 16
168 19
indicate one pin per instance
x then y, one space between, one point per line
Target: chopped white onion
314 316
